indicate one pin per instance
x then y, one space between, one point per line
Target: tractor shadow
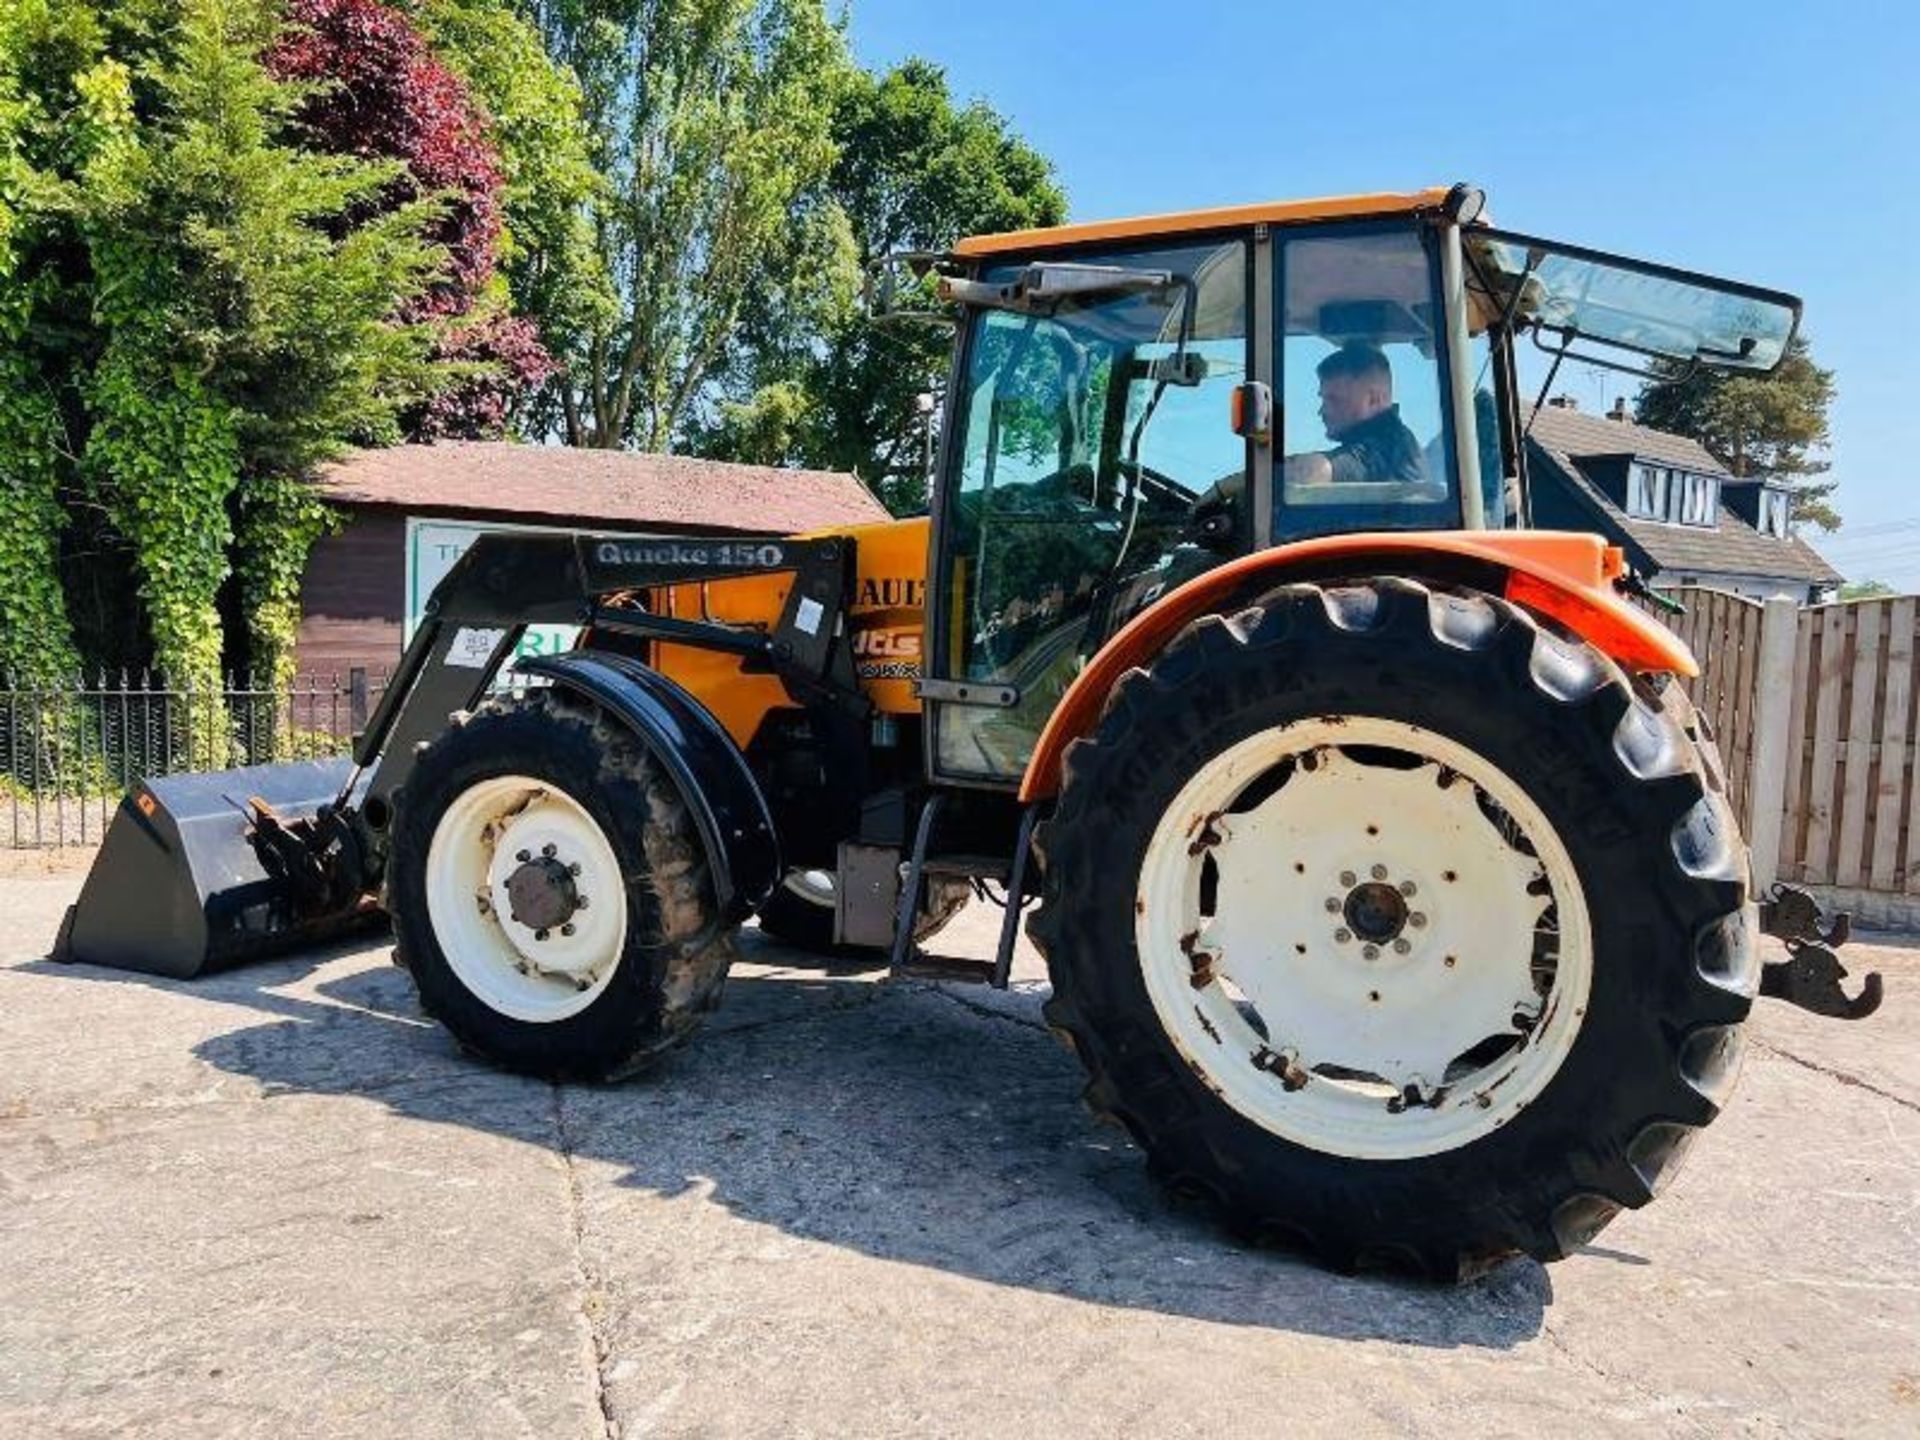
909 1122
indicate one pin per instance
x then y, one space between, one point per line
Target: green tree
555 274
243 309
1771 427
1866 590
824 386
711 124
36 639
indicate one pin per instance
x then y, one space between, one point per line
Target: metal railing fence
69 751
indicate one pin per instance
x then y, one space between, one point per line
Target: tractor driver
1371 442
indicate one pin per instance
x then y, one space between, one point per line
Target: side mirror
1252 410
896 287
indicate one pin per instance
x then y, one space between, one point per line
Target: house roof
552 484
1733 547
1574 432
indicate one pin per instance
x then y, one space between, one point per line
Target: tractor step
918 965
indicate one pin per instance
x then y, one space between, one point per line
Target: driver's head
1356 384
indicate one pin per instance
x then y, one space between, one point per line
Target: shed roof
554 484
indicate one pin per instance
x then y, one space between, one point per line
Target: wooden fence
1815 708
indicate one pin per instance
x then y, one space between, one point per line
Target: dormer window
1647 487
1776 512
1699 502
1677 497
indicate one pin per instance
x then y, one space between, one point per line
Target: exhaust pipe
204 872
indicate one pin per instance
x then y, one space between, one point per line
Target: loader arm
504 583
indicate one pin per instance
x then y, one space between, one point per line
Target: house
413 509
1680 517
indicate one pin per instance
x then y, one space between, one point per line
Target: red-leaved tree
379 91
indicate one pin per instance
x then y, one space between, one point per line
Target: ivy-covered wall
222 262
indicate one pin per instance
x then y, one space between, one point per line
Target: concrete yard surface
279 1201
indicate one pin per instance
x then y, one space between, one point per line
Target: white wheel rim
483 838
1416 1050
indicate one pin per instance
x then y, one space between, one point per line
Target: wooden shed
412 509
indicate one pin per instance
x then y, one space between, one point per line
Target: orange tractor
1386 880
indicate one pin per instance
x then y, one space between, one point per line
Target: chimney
1619 410
1562 402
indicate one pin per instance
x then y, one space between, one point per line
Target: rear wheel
1439 944
549 895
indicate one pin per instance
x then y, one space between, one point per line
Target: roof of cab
1272 212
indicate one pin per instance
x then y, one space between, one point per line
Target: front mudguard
729 811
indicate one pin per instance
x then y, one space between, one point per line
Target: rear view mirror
904 286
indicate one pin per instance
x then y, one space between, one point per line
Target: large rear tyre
549 894
1438 944
799 912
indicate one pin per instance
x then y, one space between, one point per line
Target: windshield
1648 309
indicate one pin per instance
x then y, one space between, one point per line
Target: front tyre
1438 947
549 894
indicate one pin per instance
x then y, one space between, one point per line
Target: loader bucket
179 886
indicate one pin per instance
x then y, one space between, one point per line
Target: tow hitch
1810 976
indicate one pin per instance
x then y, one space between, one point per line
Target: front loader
1386 878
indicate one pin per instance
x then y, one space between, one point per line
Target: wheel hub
527 898
541 894
1376 912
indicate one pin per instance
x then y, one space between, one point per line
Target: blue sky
1770 142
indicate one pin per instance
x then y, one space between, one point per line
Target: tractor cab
1136 403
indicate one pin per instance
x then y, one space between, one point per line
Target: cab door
1083 479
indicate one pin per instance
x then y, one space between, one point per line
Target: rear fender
1567 577
729 810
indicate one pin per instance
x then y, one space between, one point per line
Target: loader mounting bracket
1810 976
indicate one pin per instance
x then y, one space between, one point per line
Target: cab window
1364 434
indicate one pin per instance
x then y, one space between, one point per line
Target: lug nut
1401 947
1347 877
1333 904
1407 887
1343 935
547 850
566 929
1372 952
524 856
1379 872
481 900
540 934
1416 919
574 869
579 902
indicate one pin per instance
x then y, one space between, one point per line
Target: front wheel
549 894
1438 945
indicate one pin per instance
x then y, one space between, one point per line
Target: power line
1851 533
